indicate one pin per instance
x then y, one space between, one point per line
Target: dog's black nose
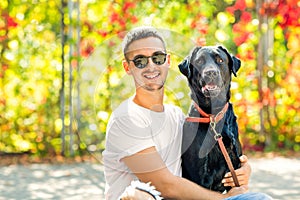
211 73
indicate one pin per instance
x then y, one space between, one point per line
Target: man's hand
236 191
243 173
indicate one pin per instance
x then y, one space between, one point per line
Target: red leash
213 120
228 161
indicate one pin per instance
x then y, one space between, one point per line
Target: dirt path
44 181
278 177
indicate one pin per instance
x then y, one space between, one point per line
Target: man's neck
152 100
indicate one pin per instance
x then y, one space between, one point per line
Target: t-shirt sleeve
128 135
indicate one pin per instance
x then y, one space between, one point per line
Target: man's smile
152 75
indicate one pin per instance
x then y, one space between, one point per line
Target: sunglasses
141 61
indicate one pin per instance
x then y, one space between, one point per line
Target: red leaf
114 17
241 38
102 33
193 24
122 23
201 41
134 19
4 67
240 5
230 9
128 5
121 34
246 17
237 27
10 22
2 38
203 29
86 47
250 55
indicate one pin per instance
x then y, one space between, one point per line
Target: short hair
140 33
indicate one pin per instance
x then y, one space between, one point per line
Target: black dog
208 70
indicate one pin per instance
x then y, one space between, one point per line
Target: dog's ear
184 67
234 62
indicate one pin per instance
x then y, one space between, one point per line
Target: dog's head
208 70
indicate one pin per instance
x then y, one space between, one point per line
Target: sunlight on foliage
265 95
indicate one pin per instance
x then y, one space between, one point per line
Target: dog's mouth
211 90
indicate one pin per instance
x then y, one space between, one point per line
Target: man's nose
150 63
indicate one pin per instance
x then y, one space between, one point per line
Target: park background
61 77
61 73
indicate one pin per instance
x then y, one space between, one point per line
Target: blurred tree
264 34
29 75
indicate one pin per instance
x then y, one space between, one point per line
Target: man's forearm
182 188
187 190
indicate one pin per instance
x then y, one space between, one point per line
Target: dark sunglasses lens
159 58
141 61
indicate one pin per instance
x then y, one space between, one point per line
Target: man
143 136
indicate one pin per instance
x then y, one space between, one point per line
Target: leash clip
217 135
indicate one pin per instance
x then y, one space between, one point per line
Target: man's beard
153 87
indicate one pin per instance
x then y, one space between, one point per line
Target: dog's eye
199 61
220 60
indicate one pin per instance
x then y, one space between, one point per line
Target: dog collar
207 118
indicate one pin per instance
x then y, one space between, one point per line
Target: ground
277 176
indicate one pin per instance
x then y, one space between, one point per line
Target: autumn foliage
265 93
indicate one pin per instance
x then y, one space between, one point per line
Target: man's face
152 76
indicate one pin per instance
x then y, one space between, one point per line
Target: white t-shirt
133 128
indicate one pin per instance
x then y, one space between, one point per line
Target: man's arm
148 166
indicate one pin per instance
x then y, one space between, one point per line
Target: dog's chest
203 161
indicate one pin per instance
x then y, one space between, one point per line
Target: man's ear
126 67
234 63
169 60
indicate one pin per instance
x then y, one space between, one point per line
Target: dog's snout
211 72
